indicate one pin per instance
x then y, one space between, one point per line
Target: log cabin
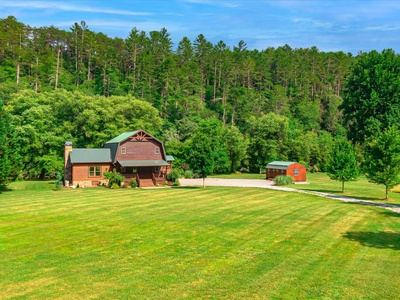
135 154
289 168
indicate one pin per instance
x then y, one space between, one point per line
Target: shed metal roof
280 165
90 155
169 157
143 163
122 137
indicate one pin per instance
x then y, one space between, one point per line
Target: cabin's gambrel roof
114 144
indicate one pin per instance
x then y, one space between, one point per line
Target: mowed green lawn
177 243
361 188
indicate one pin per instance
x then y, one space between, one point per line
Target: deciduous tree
382 158
342 162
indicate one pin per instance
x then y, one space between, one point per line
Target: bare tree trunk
215 80
204 183
88 72
18 71
104 80
37 77
387 193
57 68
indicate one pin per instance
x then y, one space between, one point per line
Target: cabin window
283 172
134 170
157 169
94 171
123 150
269 171
157 150
123 170
296 172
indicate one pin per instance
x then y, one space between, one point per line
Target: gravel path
261 183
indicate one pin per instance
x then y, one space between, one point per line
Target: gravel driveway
262 183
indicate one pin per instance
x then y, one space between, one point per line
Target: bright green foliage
51 118
5 150
208 144
283 180
201 156
205 152
174 175
114 178
58 181
268 140
10 158
382 158
189 174
342 162
236 147
372 101
133 183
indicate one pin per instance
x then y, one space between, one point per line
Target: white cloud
61 6
313 22
228 4
383 28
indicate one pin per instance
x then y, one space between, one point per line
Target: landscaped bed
213 243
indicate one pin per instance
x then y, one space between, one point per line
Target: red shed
294 169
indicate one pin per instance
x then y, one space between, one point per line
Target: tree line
252 106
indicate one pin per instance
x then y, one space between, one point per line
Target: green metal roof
142 163
122 137
169 157
90 156
280 165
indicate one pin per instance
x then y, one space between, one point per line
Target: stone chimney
67 164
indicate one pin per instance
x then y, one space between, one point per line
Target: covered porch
146 172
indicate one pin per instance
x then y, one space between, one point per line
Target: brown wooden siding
80 172
140 150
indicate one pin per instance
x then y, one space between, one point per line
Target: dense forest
83 86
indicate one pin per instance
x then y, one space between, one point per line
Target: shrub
283 180
58 182
133 183
114 186
176 183
174 175
188 174
304 163
114 177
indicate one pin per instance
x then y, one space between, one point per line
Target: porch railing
137 179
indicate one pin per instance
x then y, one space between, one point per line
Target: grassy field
190 243
357 189
361 188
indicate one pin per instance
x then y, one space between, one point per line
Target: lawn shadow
188 187
338 193
380 239
390 214
324 191
4 189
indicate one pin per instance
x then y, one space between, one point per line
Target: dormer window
123 150
157 150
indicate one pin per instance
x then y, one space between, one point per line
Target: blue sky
348 26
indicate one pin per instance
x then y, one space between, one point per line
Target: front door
145 172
